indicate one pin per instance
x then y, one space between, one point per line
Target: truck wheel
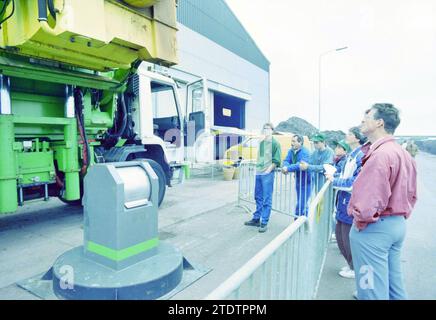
161 176
74 203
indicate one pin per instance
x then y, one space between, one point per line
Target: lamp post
319 79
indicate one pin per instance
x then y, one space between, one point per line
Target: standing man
412 148
268 158
384 194
296 155
323 154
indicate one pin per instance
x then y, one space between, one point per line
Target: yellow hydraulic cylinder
98 35
140 3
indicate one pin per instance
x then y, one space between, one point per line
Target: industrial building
214 46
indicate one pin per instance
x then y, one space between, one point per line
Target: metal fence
290 266
289 189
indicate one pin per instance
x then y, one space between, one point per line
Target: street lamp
319 85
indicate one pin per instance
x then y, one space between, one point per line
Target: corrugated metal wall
214 20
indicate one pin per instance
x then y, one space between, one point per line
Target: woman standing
343 183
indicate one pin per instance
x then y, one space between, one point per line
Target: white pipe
5 96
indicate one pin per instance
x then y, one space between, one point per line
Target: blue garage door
229 111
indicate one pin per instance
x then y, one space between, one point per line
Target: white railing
290 266
285 195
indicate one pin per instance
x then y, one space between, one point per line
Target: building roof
216 21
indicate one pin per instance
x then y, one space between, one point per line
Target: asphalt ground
199 217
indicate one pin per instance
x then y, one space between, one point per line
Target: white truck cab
159 116
180 132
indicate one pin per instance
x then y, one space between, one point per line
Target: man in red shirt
384 195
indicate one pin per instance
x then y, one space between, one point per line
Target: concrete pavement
199 217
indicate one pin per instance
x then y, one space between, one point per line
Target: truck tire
161 176
73 203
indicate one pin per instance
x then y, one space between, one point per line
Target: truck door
196 111
167 120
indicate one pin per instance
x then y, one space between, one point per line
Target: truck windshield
163 101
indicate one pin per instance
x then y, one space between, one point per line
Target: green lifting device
64 67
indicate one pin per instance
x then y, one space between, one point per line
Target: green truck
70 92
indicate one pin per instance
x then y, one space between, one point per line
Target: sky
391 58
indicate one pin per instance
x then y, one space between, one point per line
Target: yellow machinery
93 34
68 87
69 100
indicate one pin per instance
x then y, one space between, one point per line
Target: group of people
308 168
375 191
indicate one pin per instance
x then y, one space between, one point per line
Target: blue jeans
303 195
263 196
376 258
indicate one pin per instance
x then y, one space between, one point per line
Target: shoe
252 223
346 268
355 295
349 274
333 238
262 228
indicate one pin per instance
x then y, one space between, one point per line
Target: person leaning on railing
384 195
297 155
342 182
268 159
323 154
341 151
